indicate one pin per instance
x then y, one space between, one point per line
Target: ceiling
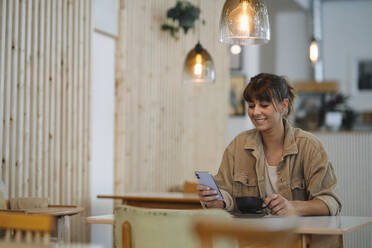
292 5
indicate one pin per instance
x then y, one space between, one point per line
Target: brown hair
270 88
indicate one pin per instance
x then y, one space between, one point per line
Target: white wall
102 136
292 40
347 36
102 117
106 16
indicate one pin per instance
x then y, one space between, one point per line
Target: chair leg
341 241
126 235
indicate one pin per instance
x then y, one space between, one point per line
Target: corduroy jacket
304 173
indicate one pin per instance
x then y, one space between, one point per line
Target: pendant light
244 22
315 48
313 51
198 66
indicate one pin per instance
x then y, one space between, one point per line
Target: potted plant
183 16
339 114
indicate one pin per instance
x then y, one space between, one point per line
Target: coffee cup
249 204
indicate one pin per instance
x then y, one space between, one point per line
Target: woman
286 166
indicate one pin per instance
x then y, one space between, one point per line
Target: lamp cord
199 5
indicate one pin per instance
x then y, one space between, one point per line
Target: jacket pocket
243 185
298 189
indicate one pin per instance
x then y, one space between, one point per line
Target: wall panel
350 154
44 107
165 129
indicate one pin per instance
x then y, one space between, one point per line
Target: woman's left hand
278 205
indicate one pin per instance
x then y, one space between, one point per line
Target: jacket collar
254 142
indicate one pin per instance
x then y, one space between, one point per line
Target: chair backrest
3 203
246 233
28 202
20 227
189 187
140 227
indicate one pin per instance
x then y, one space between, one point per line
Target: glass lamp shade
244 22
198 66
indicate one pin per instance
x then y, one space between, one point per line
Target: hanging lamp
313 51
244 22
198 66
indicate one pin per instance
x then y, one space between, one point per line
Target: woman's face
264 115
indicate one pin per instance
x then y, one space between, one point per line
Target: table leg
306 241
60 223
64 229
341 241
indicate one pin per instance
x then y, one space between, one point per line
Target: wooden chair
246 234
189 187
38 205
144 228
32 229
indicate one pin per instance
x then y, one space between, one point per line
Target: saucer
249 215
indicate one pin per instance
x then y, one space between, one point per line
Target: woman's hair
270 88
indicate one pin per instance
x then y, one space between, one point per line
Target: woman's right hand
209 197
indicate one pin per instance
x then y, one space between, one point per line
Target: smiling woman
285 166
270 98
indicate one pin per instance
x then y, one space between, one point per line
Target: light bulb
241 20
198 67
235 49
244 21
313 51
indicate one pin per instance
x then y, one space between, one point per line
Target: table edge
151 198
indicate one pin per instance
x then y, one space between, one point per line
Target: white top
271 177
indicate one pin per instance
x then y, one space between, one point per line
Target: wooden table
307 226
319 225
54 245
158 200
61 212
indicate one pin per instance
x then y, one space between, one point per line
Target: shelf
316 87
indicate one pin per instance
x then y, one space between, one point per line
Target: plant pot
333 120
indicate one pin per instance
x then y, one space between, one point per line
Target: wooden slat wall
164 129
45 49
350 154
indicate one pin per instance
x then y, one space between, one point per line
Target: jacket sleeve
321 179
224 177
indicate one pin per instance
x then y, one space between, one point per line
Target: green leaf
185 14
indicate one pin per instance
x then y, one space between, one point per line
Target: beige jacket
304 173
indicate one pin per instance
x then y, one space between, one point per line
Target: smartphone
206 178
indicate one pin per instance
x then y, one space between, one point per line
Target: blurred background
93 99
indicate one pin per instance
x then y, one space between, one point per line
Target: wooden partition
350 154
165 129
44 101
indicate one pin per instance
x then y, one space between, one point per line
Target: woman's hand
209 197
278 205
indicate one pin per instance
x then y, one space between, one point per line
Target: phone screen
205 178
